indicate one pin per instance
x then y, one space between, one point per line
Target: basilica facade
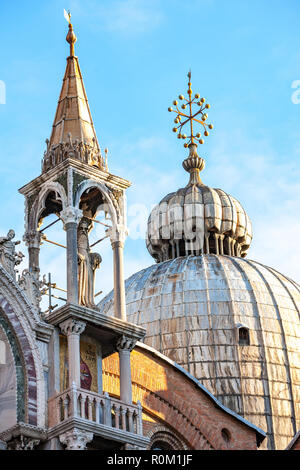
199 351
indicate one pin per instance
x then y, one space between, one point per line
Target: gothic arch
39 202
108 195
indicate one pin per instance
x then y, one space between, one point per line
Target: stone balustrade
93 407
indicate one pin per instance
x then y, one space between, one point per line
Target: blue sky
134 56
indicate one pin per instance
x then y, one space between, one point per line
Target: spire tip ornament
71 37
193 164
190 117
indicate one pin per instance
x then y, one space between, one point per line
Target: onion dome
198 220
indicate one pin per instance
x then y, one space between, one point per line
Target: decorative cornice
86 170
107 432
96 318
24 429
82 151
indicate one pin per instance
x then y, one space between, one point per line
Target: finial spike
71 38
67 16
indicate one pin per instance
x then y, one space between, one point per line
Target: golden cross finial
191 118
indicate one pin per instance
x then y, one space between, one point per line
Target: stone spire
73 134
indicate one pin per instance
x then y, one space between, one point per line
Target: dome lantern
196 219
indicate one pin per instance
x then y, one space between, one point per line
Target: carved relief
31 286
22 443
32 238
76 439
125 343
85 152
8 257
71 326
71 215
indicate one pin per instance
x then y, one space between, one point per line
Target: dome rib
277 275
267 395
284 345
187 333
235 347
209 317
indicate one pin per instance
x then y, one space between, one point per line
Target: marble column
71 217
124 346
72 329
33 241
119 284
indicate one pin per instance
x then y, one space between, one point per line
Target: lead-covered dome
234 325
198 220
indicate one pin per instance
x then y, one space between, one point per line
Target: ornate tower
76 186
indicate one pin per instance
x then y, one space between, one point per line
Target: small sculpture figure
87 264
8 257
31 286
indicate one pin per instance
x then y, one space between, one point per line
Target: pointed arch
109 198
39 202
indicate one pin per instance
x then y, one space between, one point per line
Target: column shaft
72 262
125 376
73 328
74 358
34 253
119 285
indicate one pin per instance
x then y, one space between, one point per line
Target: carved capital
118 234
22 443
125 344
76 439
70 215
72 327
32 238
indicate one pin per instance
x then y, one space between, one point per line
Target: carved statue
8 257
31 286
87 264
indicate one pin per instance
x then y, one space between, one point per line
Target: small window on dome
226 435
244 336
